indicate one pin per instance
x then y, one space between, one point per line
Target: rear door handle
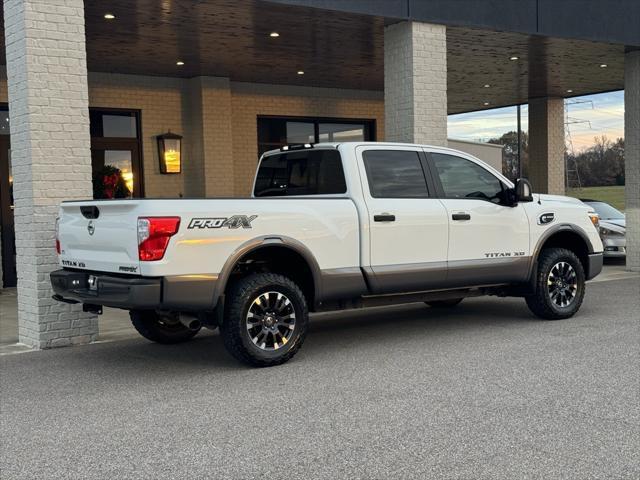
461 216
384 217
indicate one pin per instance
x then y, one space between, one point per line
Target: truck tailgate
99 236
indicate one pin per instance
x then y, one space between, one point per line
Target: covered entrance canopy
338 49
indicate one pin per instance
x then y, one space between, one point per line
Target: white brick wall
415 83
632 157
47 83
545 169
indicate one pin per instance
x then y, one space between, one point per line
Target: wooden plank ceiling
232 38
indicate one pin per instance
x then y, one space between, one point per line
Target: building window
115 153
275 132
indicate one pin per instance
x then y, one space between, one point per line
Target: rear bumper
111 291
594 266
185 293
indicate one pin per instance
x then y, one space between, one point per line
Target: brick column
632 156
48 108
209 170
415 83
546 145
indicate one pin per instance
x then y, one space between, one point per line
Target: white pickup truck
329 226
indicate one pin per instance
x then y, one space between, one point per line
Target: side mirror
523 190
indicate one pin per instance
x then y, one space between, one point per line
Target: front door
408 229
115 170
6 215
488 240
115 153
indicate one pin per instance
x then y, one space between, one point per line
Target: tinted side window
462 178
308 172
395 174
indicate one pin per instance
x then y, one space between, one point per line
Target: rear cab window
395 174
305 172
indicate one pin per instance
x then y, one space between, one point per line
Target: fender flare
263 242
562 227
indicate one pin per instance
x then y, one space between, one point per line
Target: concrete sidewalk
114 324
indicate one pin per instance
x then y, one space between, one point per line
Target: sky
588 117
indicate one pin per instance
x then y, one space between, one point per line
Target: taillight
58 249
153 236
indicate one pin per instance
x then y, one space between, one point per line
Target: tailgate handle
91 212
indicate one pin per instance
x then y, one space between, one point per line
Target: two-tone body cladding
204 247
329 226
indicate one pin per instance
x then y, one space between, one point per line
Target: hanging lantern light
169 152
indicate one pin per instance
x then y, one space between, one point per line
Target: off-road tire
541 303
239 299
453 302
150 325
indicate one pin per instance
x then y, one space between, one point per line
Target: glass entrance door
115 153
115 172
6 215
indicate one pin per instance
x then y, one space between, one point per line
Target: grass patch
612 195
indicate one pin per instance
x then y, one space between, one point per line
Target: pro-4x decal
236 221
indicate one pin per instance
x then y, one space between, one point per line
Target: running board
412 297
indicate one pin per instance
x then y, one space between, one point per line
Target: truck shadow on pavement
329 335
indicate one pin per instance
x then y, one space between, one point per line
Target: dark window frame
125 143
370 127
430 186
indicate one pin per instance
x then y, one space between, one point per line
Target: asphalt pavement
481 391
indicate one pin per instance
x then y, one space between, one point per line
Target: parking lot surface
481 391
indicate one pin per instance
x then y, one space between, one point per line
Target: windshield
606 211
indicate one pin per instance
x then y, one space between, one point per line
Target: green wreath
109 183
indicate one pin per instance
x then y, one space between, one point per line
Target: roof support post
546 145
415 83
209 164
50 155
632 156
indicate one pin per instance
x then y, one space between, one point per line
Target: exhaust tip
192 323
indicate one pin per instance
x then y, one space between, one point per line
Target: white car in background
612 229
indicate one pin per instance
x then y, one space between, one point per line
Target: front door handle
384 217
461 216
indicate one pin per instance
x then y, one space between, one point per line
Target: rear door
99 236
408 229
488 239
